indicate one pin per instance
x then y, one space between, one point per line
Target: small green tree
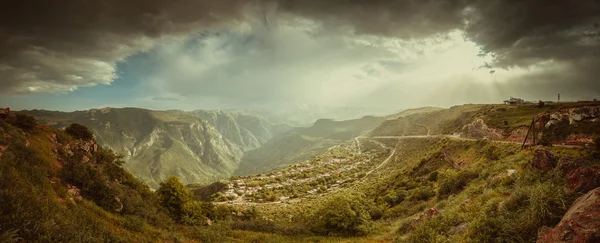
173 195
180 203
345 215
79 131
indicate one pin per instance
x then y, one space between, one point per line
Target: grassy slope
474 196
35 203
303 143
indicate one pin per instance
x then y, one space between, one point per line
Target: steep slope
55 188
303 143
247 129
157 144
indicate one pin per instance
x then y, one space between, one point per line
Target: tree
173 196
79 131
180 203
344 214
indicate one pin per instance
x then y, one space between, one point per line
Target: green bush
433 176
344 215
79 131
535 202
180 203
395 197
452 182
422 193
25 122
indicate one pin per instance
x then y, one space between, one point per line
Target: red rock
568 163
581 223
583 179
542 160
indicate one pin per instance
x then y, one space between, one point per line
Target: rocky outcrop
478 129
542 160
584 113
581 223
583 179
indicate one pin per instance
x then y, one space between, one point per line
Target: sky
377 55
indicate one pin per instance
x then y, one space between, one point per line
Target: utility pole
558 97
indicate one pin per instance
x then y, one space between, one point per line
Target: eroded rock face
478 129
543 160
583 179
581 223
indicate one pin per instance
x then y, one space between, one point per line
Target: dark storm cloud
57 46
53 46
526 32
404 19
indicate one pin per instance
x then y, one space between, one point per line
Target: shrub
174 195
345 215
422 193
452 182
79 131
541 104
433 176
25 122
180 203
395 197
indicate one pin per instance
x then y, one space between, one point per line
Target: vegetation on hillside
59 186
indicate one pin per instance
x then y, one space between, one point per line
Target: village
335 169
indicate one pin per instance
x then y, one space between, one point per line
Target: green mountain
199 146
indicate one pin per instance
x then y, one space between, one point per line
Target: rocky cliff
199 146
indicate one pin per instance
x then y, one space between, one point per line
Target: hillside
367 189
200 146
572 123
436 188
57 188
303 143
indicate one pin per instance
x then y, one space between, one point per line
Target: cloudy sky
382 55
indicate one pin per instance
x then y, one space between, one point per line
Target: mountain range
203 146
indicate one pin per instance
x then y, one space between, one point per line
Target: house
514 101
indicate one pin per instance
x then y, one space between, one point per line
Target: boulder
568 163
542 160
581 223
583 179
